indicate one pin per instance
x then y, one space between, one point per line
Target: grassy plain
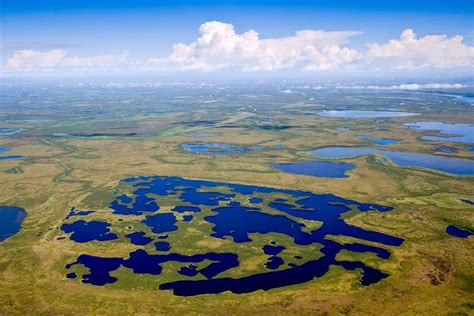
432 273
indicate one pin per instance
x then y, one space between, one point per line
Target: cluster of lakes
235 212
232 219
403 159
329 169
451 132
337 170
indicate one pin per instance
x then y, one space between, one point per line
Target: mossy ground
430 274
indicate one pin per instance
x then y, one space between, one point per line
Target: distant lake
363 114
445 149
279 146
466 98
452 132
203 134
378 141
219 148
325 169
10 131
404 159
11 218
94 135
266 121
4 150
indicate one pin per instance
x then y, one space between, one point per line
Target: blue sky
148 29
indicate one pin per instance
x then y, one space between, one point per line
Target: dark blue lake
218 148
139 238
162 246
458 232
363 114
326 169
450 132
404 159
84 231
11 218
378 141
234 212
73 212
274 262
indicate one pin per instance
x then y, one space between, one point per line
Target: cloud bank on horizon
220 47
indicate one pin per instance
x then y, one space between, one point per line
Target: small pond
378 141
325 169
458 232
219 148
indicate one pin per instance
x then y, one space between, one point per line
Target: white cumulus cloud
406 86
430 51
36 60
421 86
219 46
33 59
